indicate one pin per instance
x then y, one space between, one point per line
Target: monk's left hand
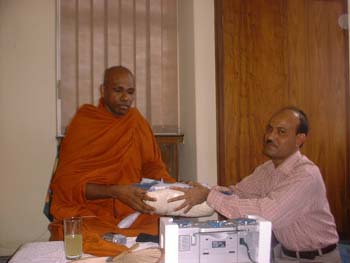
133 197
192 196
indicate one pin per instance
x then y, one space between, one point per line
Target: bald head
118 90
303 126
114 71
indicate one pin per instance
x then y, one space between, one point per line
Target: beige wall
27 109
27 118
198 155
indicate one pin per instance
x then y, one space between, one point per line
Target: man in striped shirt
287 190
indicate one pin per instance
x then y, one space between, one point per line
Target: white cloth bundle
162 193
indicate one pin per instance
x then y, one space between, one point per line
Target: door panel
274 53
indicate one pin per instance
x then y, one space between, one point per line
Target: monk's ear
102 90
301 138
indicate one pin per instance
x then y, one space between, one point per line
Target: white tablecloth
53 251
40 252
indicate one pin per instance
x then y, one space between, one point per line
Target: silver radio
237 240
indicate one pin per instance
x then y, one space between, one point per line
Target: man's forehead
284 118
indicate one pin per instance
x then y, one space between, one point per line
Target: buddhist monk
106 150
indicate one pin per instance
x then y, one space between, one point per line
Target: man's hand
192 196
132 196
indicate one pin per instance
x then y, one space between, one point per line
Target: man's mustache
270 142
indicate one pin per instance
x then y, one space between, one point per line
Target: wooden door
274 53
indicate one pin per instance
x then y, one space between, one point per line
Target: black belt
308 254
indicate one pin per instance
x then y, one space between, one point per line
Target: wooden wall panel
274 53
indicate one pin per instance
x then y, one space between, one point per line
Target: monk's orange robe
104 149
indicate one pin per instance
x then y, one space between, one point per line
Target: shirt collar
289 163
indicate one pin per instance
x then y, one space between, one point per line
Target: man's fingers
181 189
183 205
187 209
195 185
180 197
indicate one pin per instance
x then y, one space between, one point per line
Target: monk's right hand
133 197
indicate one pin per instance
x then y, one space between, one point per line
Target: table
40 252
53 252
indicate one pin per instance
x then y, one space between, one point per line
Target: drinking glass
73 240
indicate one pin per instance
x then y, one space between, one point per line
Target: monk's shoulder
138 116
89 111
86 107
142 122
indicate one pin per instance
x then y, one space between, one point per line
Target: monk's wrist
113 191
108 191
98 191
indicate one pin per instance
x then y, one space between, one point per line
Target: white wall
27 118
198 155
187 151
27 109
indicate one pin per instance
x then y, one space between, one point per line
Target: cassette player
236 240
